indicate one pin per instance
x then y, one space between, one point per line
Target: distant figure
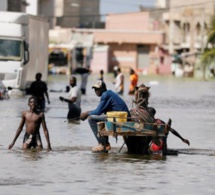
84 80
74 100
188 70
39 90
33 118
115 68
101 75
133 81
174 66
84 72
179 72
119 82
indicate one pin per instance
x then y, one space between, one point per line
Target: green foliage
211 31
211 37
208 56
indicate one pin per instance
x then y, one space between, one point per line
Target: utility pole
171 33
186 32
192 32
202 30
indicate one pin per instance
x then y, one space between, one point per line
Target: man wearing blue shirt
109 101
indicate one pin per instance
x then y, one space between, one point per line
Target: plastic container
119 116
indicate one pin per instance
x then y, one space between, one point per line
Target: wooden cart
137 131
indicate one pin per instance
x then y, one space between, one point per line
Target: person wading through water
74 100
39 90
32 118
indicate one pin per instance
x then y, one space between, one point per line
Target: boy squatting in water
32 119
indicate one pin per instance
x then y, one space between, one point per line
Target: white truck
23 49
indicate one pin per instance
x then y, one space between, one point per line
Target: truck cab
13 56
23 49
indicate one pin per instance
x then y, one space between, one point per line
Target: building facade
133 41
185 26
129 41
80 13
71 13
11 5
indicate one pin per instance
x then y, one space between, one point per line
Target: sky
107 6
122 6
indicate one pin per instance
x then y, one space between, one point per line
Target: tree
208 56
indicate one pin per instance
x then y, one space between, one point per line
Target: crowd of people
109 101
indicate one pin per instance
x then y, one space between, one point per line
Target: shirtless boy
33 118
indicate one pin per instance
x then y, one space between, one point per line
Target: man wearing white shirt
119 82
74 100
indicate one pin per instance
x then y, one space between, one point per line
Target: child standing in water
33 118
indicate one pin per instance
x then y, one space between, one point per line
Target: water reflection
33 154
127 158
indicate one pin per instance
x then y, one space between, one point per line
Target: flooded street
71 168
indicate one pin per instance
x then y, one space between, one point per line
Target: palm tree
208 56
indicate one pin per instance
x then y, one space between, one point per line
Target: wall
129 21
165 61
46 8
79 13
100 60
70 10
123 36
123 55
3 5
91 9
15 6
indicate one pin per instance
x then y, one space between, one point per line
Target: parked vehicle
23 49
59 60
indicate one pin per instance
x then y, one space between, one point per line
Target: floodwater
71 168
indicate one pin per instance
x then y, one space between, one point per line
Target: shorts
33 140
74 112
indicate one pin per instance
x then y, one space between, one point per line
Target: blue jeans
93 119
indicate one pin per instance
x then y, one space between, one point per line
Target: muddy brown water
71 168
